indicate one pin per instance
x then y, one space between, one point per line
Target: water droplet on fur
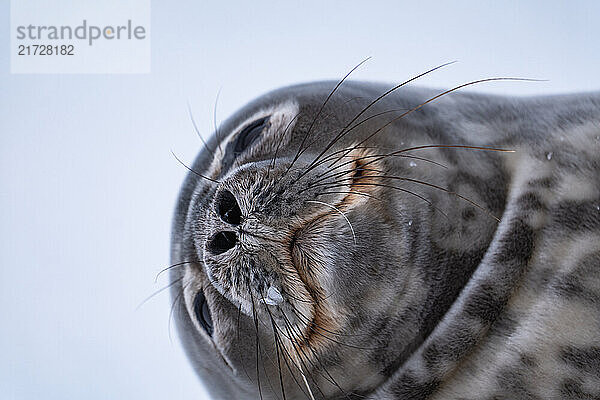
274 298
412 164
549 156
598 208
410 222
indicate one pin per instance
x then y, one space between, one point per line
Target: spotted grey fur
426 295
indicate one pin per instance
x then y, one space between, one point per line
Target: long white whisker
340 212
312 397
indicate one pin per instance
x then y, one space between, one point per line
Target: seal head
332 243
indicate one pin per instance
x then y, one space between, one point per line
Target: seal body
353 242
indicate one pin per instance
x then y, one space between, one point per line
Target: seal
351 241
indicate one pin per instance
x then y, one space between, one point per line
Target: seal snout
229 211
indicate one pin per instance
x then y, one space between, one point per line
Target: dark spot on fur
530 201
583 358
505 325
571 389
528 360
450 347
514 384
517 244
408 387
485 303
577 216
572 285
544 183
468 214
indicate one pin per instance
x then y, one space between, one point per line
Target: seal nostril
228 208
222 242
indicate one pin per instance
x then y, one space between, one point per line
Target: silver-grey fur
410 289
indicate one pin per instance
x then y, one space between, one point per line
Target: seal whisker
344 131
324 176
215 121
192 171
287 356
397 153
258 352
329 378
211 150
349 193
398 189
430 185
298 299
339 212
257 320
177 299
157 292
298 349
272 163
238 339
313 324
444 93
315 327
299 358
300 149
307 385
359 124
276 338
442 189
377 157
337 174
179 264
287 323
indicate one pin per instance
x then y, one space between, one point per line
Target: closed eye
202 313
242 141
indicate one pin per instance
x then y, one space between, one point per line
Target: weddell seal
348 240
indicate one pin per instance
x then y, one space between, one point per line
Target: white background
88 184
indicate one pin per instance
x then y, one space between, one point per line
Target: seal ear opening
364 177
202 313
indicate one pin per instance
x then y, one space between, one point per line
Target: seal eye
203 313
242 141
248 135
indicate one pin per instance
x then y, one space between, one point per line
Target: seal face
333 242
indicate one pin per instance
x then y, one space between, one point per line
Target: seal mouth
356 185
300 292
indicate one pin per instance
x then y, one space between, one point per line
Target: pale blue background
88 184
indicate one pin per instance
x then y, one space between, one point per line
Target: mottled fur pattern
418 262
